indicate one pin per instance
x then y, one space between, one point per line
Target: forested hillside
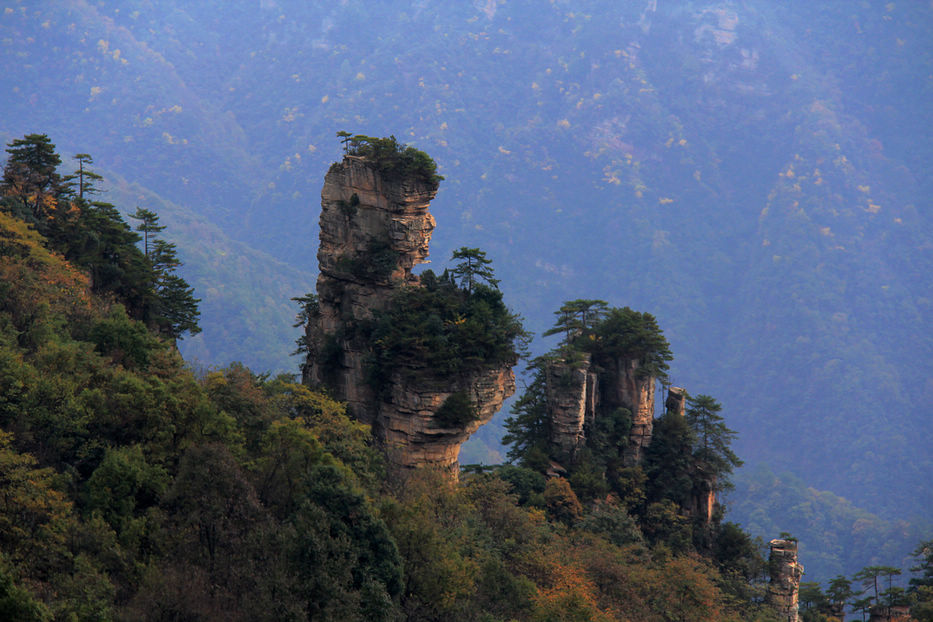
755 174
135 489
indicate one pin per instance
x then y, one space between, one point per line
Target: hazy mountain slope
755 174
247 312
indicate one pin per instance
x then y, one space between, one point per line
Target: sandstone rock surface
624 387
373 231
784 586
571 399
578 392
676 401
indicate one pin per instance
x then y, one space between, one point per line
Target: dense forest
137 488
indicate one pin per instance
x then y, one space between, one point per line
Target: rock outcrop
625 387
676 401
578 391
784 586
412 435
372 234
374 230
571 399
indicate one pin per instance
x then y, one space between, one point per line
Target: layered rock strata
571 399
784 586
414 438
577 392
373 231
625 387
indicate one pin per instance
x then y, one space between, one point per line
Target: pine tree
84 177
148 225
528 429
713 456
30 174
345 138
177 307
576 318
472 267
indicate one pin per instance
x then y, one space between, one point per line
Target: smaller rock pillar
676 401
785 573
571 397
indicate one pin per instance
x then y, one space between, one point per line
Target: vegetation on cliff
445 329
688 456
396 161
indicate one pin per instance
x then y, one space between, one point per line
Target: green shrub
396 161
376 264
456 411
441 330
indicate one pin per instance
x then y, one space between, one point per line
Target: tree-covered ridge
93 236
134 489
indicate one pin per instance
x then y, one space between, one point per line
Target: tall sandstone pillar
374 230
625 387
785 573
571 402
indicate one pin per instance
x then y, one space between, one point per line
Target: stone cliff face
572 400
784 586
413 437
372 234
626 388
676 401
576 393
374 230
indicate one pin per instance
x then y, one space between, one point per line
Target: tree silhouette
712 456
577 317
30 173
473 265
148 225
85 177
345 138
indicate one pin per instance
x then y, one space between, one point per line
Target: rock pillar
571 400
676 401
374 229
627 388
785 573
